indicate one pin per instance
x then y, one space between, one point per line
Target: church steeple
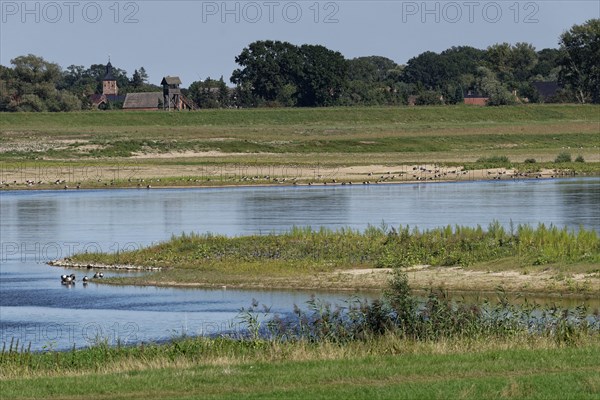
109 83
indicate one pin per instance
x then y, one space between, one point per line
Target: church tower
109 83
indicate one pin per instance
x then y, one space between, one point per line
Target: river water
37 226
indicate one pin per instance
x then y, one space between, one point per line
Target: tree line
281 74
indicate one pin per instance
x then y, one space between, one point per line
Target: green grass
517 373
324 130
307 250
297 141
297 116
306 259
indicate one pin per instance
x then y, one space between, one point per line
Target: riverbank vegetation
399 342
303 257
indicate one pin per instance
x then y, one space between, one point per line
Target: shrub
429 98
530 161
563 157
579 159
493 162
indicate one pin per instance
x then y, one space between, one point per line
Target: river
37 226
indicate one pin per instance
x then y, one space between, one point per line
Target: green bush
530 161
579 159
494 159
563 157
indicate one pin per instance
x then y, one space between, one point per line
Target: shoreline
422 279
262 184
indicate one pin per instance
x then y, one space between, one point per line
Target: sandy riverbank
144 176
421 278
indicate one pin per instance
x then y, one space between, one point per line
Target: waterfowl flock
70 279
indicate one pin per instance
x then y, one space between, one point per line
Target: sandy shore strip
421 278
152 176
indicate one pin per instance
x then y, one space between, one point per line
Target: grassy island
525 259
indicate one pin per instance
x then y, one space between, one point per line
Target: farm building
546 90
170 98
475 99
147 101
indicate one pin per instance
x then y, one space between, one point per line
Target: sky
198 39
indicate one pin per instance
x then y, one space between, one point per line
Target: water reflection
580 203
294 208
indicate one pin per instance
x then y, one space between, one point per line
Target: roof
475 96
109 76
143 100
546 89
99 98
171 80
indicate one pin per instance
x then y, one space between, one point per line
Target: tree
580 62
34 70
139 79
223 93
372 69
523 60
281 73
136 80
143 74
488 84
267 67
512 64
209 93
547 66
323 76
429 98
427 69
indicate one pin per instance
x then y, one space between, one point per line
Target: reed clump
438 317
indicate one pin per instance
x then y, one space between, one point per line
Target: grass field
233 147
385 369
338 130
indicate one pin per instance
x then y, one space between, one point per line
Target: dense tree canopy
267 68
210 93
580 63
284 74
276 73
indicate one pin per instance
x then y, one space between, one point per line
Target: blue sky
195 39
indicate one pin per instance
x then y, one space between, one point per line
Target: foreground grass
385 368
